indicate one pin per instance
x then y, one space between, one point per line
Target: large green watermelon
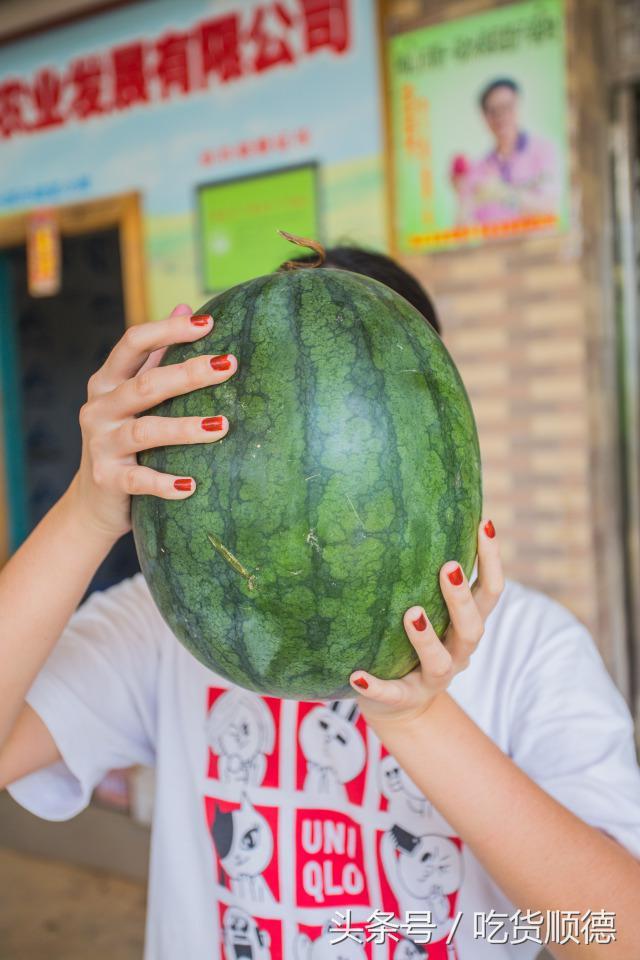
350 474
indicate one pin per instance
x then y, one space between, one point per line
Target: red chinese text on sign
46 97
12 99
130 82
85 79
268 32
326 24
219 50
219 41
172 63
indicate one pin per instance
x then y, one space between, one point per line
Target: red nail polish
212 423
221 363
420 623
200 319
362 683
183 483
455 577
489 529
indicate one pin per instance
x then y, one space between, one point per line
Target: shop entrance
49 346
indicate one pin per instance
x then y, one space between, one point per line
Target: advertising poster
479 127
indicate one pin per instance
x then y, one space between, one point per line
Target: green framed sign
240 218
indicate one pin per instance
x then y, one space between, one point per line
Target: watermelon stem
302 242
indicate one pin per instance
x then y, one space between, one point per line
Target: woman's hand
130 382
440 661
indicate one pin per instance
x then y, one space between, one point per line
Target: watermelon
350 474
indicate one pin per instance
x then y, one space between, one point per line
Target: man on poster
518 178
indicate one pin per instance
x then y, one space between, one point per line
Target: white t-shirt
274 816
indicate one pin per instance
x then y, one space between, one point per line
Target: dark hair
495 85
382 268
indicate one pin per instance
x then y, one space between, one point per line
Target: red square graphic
245 843
329 943
420 874
243 737
384 776
243 935
331 754
329 860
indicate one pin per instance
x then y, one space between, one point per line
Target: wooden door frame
123 211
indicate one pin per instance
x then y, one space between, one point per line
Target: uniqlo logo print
329 860
245 841
420 872
242 734
245 937
328 942
332 752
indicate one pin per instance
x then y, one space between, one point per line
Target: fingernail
420 623
489 529
362 683
222 362
200 319
183 483
455 577
212 423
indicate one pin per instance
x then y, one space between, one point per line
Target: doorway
49 347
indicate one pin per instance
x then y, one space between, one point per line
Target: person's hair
496 85
382 268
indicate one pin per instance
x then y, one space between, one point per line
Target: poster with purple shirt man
519 177
479 131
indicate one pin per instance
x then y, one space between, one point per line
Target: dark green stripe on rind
350 474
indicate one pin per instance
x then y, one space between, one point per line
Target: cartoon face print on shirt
241 732
244 844
407 806
422 872
332 742
405 801
427 865
242 938
327 945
